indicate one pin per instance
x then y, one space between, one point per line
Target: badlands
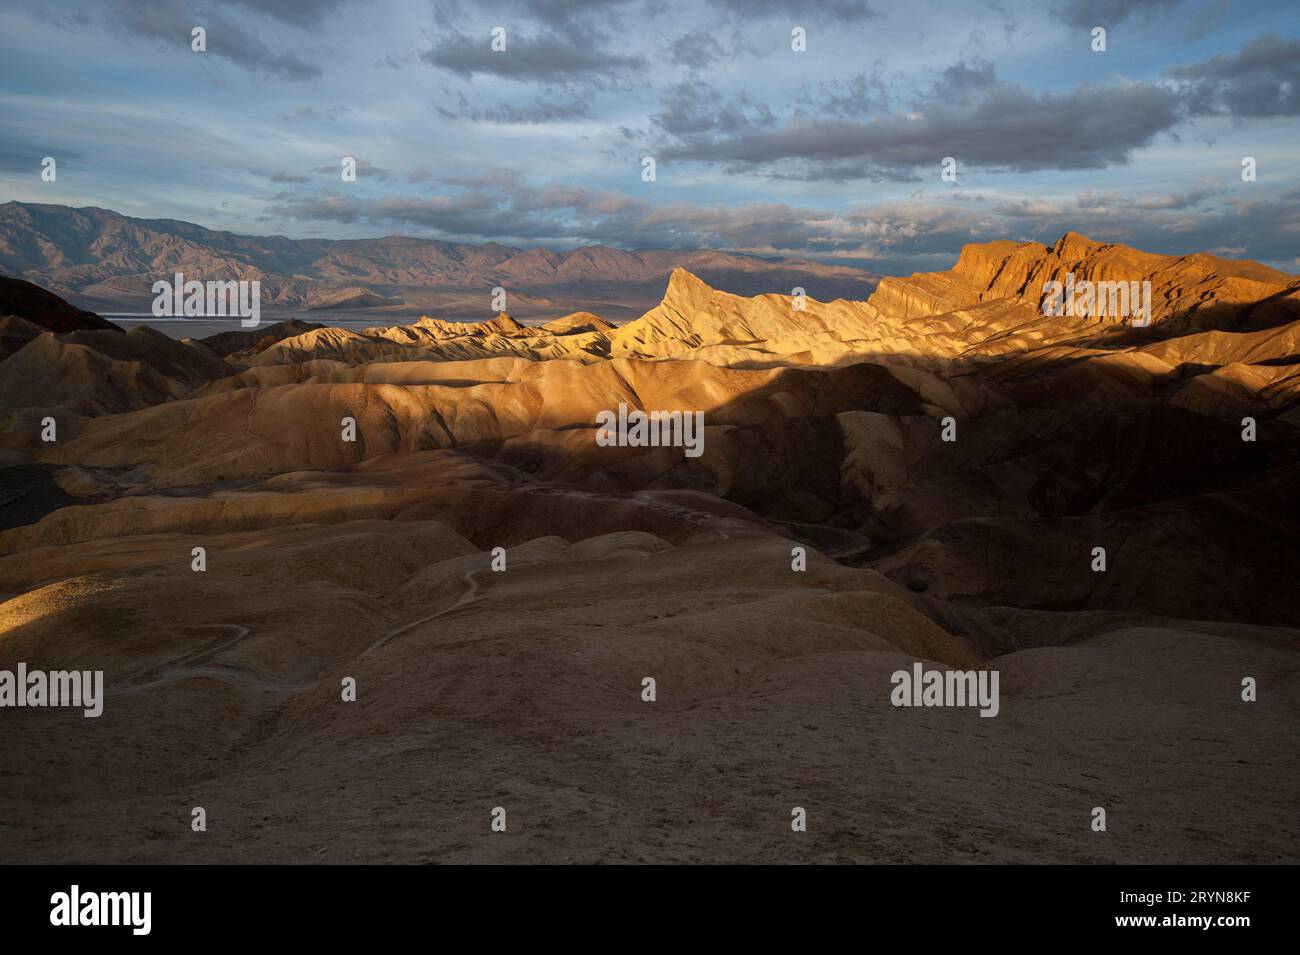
497 585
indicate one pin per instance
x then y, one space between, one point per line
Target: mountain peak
1073 243
686 288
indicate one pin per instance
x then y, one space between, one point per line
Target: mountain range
107 261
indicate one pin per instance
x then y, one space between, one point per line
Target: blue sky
831 153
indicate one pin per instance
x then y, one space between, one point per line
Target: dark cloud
296 12
865 94
555 12
964 81
694 109
695 51
1087 14
1261 80
330 207
996 126
548 57
799 11
228 38
288 177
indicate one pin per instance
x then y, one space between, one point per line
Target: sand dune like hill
324 342
227 344
1267 346
436 329
576 323
348 297
1241 389
87 374
16 332
434 339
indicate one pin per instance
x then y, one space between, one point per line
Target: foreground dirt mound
523 689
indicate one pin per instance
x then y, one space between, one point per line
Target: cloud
21 152
1106 13
329 206
1207 189
865 94
998 126
542 109
297 12
310 114
547 57
365 170
499 205
798 11
695 51
1261 80
170 21
1093 204
965 81
558 12
693 109
1031 209
918 234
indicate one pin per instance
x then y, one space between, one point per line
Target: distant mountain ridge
100 258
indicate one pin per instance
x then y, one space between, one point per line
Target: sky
832 152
